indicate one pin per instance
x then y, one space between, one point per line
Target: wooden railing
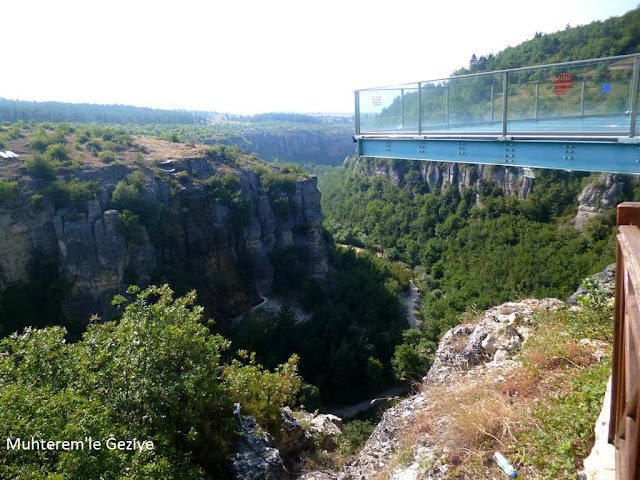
624 425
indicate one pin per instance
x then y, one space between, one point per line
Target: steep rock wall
439 176
202 245
597 197
317 147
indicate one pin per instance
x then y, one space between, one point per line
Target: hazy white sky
251 56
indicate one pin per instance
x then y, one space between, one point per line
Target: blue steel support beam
613 157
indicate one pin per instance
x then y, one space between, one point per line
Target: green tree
8 191
41 167
156 374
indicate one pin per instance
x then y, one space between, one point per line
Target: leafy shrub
94 146
107 156
274 183
354 435
130 227
412 359
153 375
74 194
57 152
37 201
38 143
225 189
224 154
260 392
128 195
8 191
41 167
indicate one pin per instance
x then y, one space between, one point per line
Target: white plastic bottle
504 464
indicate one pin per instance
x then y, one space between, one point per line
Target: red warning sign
562 82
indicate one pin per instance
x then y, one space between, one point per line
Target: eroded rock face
604 280
597 197
501 331
383 442
253 458
93 258
318 147
439 176
226 261
292 436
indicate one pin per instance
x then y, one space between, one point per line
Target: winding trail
411 301
351 410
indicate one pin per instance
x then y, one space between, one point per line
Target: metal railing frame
633 102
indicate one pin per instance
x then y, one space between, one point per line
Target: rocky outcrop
501 331
597 197
196 239
94 256
466 354
253 458
604 281
439 176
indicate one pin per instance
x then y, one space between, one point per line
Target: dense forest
606 38
470 248
16 110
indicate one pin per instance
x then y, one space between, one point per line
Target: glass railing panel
576 97
474 104
389 109
582 98
433 102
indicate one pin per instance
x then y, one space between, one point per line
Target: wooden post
624 423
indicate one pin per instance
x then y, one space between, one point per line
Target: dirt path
411 300
351 410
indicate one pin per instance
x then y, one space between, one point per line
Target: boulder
605 281
494 339
291 437
253 458
326 428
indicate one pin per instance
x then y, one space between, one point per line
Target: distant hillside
288 137
16 110
614 36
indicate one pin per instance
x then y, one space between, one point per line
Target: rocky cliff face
316 147
439 176
597 197
196 241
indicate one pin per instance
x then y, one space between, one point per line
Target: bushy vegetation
8 192
130 227
73 194
468 253
41 167
346 346
157 374
225 189
614 36
129 195
223 153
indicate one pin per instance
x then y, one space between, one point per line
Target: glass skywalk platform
575 116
